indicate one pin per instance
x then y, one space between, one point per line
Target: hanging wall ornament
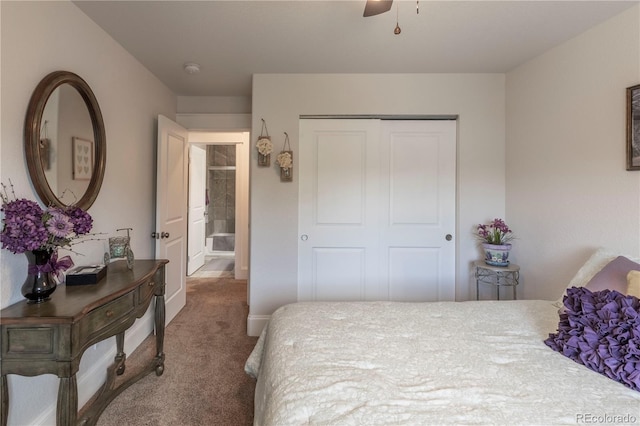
264 146
45 148
285 161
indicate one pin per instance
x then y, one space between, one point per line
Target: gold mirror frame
32 136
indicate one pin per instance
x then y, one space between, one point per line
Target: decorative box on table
83 275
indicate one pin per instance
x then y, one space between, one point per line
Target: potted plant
495 237
39 233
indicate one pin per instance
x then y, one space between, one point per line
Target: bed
486 362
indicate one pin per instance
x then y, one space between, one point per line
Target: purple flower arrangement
601 330
27 226
495 232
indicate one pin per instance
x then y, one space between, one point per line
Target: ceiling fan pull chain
417 7
397 29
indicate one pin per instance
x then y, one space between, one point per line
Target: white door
171 210
197 207
377 207
338 210
418 209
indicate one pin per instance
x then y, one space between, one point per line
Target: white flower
264 146
285 160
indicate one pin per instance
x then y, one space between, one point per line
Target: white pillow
633 282
596 262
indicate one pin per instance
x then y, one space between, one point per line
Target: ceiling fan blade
376 7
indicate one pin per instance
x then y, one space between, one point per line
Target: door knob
448 237
155 235
304 237
164 235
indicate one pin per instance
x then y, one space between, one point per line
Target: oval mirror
65 143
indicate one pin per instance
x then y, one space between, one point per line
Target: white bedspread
384 363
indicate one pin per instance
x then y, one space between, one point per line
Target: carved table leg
160 319
120 355
67 410
4 400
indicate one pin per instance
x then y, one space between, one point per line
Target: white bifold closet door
377 210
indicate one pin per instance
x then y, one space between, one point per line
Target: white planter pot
496 255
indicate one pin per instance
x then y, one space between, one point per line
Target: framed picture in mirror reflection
82 159
633 128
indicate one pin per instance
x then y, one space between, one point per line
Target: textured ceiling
231 40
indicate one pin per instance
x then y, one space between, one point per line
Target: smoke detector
191 68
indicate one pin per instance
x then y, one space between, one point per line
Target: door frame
230 123
241 140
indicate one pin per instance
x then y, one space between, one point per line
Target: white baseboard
255 324
241 273
90 380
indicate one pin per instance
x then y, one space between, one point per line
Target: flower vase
40 283
496 254
286 174
264 160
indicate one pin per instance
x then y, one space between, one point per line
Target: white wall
214 104
38 38
279 99
567 188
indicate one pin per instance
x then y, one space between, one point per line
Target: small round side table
497 276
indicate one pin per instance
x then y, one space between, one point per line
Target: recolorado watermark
606 418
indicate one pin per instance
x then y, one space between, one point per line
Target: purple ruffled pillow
601 330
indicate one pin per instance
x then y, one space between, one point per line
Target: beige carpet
204 381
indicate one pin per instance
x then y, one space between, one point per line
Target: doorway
223 237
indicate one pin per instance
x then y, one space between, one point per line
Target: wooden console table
50 337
